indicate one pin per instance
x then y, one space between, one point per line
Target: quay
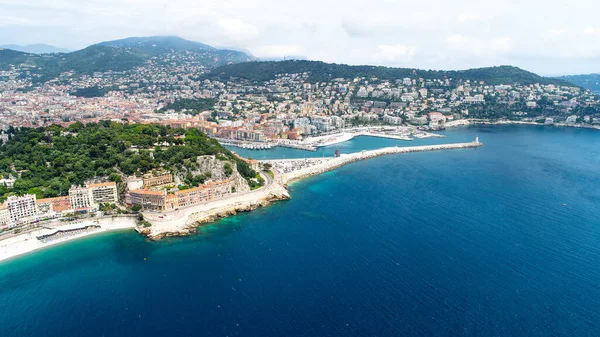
245 144
265 145
298 146
385 135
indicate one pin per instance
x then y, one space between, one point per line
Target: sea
501 240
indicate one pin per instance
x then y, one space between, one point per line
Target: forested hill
47 161
320 71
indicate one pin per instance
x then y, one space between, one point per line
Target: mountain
35 48
120 55
158 44
589 81
320 71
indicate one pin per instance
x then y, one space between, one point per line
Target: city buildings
21 207
164 200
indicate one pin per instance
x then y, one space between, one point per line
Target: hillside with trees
47 161
320 71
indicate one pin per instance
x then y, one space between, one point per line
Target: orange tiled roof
147 192
108 184
45 200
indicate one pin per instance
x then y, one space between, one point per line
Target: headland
184 221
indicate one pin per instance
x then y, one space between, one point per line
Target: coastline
186 221
27 242
466 122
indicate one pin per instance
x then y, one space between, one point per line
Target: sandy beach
28 242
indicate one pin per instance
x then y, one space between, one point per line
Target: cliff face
216 168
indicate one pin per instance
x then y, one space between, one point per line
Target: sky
549 37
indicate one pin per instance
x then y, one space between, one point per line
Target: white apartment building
4 216
92 194
103 192
20 207
79 197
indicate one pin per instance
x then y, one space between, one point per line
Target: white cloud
395 52
238 29
480 47
440 34
591 31
558 32
470 16
280 50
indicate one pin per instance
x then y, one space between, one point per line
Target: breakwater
334 163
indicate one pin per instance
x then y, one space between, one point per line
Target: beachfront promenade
333 163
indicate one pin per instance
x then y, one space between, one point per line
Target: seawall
350 158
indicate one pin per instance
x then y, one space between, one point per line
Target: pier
298 146
385 135
245 144
265 145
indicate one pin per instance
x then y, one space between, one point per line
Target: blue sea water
472 242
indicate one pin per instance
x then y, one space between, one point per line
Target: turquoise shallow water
472 242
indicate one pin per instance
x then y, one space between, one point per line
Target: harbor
313 143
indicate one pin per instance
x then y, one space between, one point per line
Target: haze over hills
35 48
157 44
588 81
120 55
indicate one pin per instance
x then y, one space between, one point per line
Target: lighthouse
477 140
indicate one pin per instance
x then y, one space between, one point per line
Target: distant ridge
118 55
588 81
35 48
321 71
157 43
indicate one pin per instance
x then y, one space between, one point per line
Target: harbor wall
349 158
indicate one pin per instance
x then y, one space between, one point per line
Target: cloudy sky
548 37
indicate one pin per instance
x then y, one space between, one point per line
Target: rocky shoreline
197 219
